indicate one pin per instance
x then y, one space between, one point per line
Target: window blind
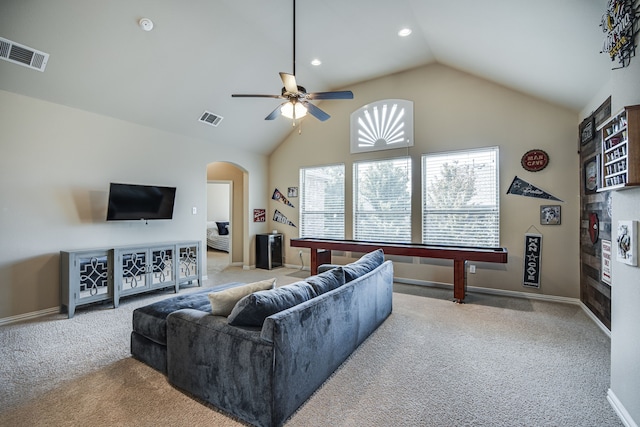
382 200
460 198
322 202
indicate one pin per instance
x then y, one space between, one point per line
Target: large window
460 198
322 202
382 200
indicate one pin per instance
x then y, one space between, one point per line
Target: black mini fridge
268 251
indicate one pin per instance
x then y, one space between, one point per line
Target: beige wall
55 167
454 110
228 172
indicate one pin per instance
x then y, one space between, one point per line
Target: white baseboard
595 319
617 406
28 316
297 267
490 291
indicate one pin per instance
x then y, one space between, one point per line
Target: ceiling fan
297 98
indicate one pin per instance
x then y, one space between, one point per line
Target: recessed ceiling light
404 32
316 62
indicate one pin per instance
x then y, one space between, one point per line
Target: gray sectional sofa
275 348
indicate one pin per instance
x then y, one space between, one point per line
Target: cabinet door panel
188 263
134 268
162 270
93 273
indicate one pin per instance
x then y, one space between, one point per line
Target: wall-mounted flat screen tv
135 202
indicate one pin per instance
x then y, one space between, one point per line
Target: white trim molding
617 406
29 316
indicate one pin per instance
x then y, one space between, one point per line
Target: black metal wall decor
620 24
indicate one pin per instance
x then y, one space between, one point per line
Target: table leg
319 257
314 261
459 285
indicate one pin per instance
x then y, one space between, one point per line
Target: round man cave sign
535 160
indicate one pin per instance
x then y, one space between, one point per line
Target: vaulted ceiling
201 51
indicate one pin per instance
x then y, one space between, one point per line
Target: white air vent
22 55
210 118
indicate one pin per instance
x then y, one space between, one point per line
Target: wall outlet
299 253
472 269
194 210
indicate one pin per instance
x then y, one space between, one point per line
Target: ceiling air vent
210 118
22 55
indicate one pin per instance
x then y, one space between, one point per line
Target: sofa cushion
150 321
223 302
253 309
366 263
327 281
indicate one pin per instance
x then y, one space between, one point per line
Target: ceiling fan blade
343 94
275 113
315 111
236 95
289 81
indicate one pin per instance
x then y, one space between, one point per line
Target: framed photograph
591 175
292 192
550 214
627 242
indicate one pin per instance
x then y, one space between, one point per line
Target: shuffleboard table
321 254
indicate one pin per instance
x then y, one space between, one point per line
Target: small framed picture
259 215
627 242
587 129
550 214
292 192
591 175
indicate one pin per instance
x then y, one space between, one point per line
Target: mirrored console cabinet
107 274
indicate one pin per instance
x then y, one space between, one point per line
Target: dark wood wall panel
594 293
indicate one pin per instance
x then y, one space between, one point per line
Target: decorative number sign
535 160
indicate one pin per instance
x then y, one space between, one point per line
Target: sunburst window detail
382 125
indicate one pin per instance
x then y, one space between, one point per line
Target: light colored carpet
494 361
217 261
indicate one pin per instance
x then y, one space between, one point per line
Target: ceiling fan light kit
297 103
293 111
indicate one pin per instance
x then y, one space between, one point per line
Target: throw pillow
365 264
327 281
253 309
223 228
223 302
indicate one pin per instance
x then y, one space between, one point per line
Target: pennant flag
523 188
532 254
278 217
277 195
